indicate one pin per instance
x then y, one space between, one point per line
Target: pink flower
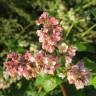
51 71
51 41
42 18
50 49
20 70
71 77
45 30
43 37
47 63
26 73
19 56
11 55
58 28
46 60
53 21
78 75
27 55
20 66
44 15
58 65
56 36
50 33
38 57
68 59
47 47
71 51
38 22
12 72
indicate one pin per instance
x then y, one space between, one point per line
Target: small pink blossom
19 56
72 51
51 71
26 73
11 55
53 21
46 60
38 57
58 28
42 18
71 78
77 76
27 55
56 36
44 15
68 59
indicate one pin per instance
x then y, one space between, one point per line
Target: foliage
18 33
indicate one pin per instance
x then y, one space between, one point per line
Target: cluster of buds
71 52
50 33
68 51
3 84
78 75
47 63
29 66
19 65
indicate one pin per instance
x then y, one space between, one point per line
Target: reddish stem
63 90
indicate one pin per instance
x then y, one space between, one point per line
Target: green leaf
91 65
1 71
62 60
85 47
80 47
93 81
47 82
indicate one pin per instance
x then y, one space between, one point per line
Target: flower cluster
50 33
71 52
78 75
48 61
19 65
68 51
30 66
3 84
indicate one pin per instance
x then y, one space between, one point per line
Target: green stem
94 74
83 7
69 30
26 28
87 5
88 31
39 90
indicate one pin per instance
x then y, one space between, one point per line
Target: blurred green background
18 33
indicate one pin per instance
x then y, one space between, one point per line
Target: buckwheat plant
48 60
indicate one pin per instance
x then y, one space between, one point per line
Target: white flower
79 84
62 75
63 47
32 59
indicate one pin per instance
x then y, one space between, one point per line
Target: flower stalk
63 90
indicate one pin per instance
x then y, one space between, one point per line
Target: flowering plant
53 63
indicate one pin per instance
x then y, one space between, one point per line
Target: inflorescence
48 60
